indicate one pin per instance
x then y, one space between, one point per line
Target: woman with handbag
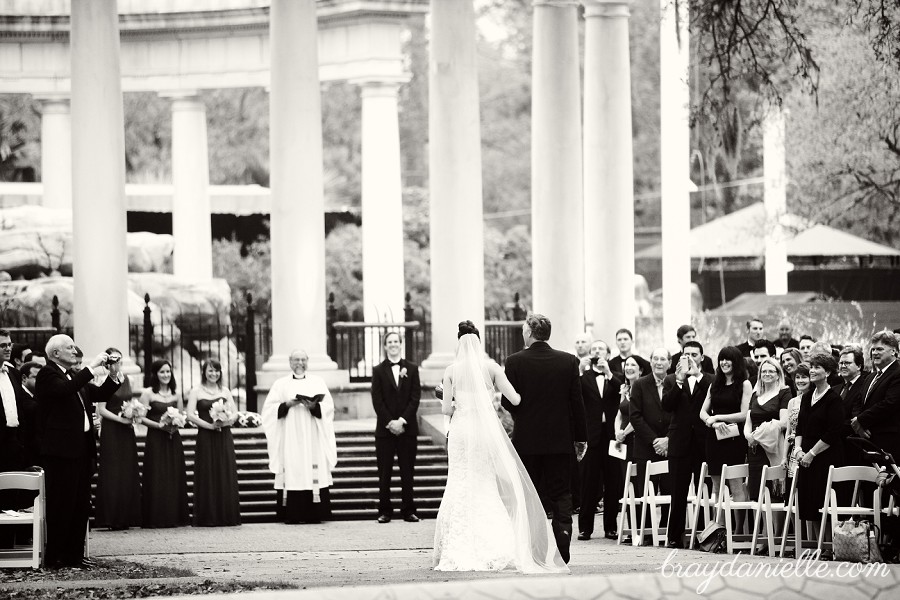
724 411
819 439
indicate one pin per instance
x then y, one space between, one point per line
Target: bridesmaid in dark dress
727 401
215 466
118 483
819 438
165 502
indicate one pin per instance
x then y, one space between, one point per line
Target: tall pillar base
431 371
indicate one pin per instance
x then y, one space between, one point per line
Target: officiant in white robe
298 418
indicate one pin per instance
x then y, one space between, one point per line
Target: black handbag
712 539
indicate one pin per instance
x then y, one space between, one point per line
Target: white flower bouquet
133 410
173 419
220 413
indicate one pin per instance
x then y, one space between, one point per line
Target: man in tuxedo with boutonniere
549 421
396 392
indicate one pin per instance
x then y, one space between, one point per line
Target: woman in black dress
165 502
727 402
215 466
118 482
623 427
819 438
768 403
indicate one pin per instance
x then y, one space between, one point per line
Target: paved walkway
394 561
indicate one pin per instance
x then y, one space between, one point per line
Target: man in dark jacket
395 395
549 421
683 396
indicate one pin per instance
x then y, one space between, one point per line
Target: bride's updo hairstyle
467 327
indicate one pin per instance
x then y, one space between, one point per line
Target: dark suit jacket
649 419
791 343
12 440
852 401
706 365
880 411
550 416
61 412
746 349
596 407
686 430
392 401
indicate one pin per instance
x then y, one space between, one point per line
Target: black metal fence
242 342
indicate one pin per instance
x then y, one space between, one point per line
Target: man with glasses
878 419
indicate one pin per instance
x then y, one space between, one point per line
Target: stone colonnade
566 216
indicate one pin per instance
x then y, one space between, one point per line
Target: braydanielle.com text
808 565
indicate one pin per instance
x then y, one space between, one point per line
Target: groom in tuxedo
395 395
549 421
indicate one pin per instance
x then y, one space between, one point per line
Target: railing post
250 355
330 318
148 340
54 314
408 332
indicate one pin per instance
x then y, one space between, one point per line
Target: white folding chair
792 516
22 556
831 508
726 504
765 506
653 503
629 505
701 498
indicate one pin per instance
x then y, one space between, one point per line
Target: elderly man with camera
298 418
68 446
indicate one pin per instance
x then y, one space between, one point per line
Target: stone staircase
354 494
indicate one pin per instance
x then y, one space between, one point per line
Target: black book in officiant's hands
313 403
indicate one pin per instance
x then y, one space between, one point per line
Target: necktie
871 385
844 390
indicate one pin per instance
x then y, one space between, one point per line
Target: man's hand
99 360
584 364
680 372
395 427
580 450
661 445
603 365
859 429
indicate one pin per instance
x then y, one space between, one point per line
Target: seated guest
625 344
819 438
755 331
687 333
683 396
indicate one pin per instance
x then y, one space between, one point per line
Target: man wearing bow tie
395 395
68 445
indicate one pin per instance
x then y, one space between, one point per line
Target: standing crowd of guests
785 402
48 420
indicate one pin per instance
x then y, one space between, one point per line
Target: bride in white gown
490 516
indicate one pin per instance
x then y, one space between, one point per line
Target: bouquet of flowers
219 412
249 419
133 410
173 418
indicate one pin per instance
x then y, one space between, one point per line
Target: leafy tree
19 134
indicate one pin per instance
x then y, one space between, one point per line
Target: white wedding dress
490 516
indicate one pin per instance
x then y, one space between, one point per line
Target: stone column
191 228
675 151
776 202
608 165
382 203
100 255
56 152
557 206
298 205
457 229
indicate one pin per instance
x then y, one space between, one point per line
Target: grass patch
146 590
105 570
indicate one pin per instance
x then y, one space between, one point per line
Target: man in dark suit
549 421
878 419
12 454
599 470
852 391
649 419
625 344
68 445
785 338
755 330
687 333
395 395
683 396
